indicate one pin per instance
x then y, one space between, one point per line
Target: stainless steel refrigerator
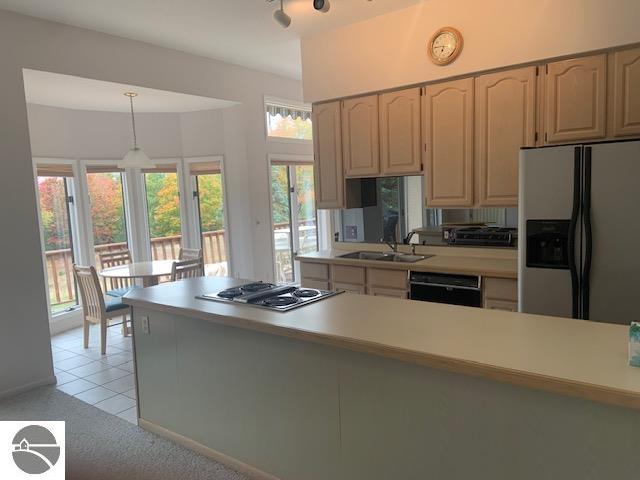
579 231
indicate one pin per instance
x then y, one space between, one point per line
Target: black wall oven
463 290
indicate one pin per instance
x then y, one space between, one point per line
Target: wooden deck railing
59 263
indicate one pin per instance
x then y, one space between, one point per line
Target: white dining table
148 272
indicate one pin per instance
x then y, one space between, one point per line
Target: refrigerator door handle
586 213
573 225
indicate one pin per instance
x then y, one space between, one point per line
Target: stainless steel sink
385 257
365 255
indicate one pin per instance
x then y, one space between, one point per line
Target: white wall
53 47
85 134
390 50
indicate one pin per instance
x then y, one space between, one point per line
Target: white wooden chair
94 308
190 253
187 269
116 287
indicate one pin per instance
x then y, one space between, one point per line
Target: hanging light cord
133 123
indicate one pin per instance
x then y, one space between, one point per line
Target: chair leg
103 336
85 331
125 327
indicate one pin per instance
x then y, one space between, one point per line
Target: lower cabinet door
312 283
506 305
349 288
388 292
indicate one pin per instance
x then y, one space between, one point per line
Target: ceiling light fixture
135 158
282 18
321 5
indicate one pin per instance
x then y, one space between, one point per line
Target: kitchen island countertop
565 356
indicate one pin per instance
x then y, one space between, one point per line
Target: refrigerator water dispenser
548 244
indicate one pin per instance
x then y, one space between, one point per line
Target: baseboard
29 386
230 462
69 322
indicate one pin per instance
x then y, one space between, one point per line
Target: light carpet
102 446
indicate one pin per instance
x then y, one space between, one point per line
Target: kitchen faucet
392 245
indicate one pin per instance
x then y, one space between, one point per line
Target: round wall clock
445 46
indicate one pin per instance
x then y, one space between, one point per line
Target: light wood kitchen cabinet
505 108
507 306
501 294
400 145
349 288
360 145
624 88
317 284
575 107
388 292
327 150
387 278
347 274
447 122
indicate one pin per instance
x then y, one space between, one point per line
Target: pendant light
135 158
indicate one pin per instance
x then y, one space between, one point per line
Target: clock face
445 46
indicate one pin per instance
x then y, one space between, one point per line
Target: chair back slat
90 291
187 269
190 254
115 259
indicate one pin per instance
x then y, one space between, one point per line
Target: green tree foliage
211 204
280 194
163 204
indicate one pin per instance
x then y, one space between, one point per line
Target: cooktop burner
256 287
278 301
230 293
268 295
306 293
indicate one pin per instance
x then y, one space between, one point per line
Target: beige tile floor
105 381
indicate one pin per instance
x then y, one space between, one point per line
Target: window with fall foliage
285 121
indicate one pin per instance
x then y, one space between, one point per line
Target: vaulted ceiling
242 32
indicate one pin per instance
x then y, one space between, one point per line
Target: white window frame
195 235
287 103
66 319
184 216
322 217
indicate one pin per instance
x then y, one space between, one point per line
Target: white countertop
566 356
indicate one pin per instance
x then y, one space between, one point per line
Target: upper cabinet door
327 149
625 95
400 132
576 99
360 136
505 122
447 120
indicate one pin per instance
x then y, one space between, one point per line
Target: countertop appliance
445 288
481 236
579 232
271 296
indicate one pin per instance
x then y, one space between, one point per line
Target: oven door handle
442 285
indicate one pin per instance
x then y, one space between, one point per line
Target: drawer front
349 288
347 274
388 292
501 289
313 283
381 277
501 305
319 271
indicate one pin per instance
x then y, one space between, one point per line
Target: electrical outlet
145 324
